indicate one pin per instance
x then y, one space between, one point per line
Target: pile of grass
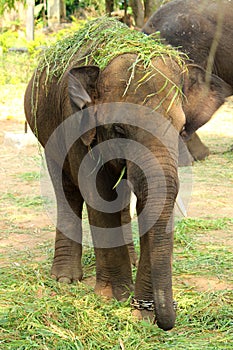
100 41
38 313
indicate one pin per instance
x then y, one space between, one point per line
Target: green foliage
98 5
17 67
11 38
23 202
29 176
67 31
8 5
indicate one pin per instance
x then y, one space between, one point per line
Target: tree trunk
54 11
30 20
109 7
63 9
138 12
150 7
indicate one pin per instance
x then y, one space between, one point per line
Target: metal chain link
140 304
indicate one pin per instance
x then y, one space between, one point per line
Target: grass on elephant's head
101 40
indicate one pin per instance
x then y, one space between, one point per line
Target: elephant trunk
160 240
156 185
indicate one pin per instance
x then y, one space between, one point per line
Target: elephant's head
153 174
123 81
203 96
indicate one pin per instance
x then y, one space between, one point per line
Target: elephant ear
204 95
82 90
197 77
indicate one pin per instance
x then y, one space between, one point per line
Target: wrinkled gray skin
203 30
86 86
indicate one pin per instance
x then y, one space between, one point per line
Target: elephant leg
66 265
196 147
113 268
127 229
132 254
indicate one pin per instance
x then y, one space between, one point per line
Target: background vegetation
140 9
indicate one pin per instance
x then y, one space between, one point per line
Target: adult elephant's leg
128 234
196 147
66 265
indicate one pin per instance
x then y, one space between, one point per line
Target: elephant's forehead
124 70
168 68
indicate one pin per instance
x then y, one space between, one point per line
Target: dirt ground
24 227
20 227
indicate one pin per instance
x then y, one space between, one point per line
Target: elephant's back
192 26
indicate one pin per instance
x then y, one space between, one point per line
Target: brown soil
203 284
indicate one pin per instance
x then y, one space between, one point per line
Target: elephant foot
104 290
66 272
109 290
144 310
197 148
144 315
66 266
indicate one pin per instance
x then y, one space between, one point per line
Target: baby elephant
108 103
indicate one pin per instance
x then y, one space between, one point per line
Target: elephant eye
119 130
183 128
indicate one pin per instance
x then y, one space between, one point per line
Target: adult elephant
203 30
97 91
